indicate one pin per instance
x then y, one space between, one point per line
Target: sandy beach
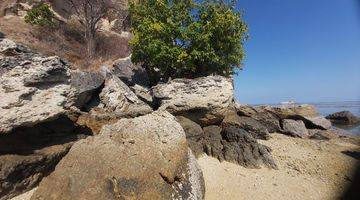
308 169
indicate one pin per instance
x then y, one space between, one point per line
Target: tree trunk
91 43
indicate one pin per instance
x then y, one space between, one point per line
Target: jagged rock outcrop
255 128
143 93
118 99
32 90
266 118
236 145
29 154
36 116
141 158
306 113
12 55
202 100
86 85
343 118
130 73
194 135
295 128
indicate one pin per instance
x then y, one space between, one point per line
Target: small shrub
40 15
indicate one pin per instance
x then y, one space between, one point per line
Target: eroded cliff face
37 111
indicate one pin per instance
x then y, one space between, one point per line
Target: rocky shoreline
110 135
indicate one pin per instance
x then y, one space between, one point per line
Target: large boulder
32 90
202 100
318 122
236 145
118 99
295 128
255 128
141 158
343 118
194 134
260 114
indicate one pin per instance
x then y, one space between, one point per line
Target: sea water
326 108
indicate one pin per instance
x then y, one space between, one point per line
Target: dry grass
65 41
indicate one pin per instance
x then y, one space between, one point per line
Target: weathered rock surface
202 100
295 128
318 134
266 118
284 112
213 142
306 113
194 134
238 146
33 88
86 85
117 98
255 128
12 55
130 73
29 154
143 93
343 118
319 122
142 158
96 119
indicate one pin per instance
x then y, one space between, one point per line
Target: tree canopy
183 38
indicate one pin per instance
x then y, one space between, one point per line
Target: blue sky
302 50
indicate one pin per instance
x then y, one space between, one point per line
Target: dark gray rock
255 128
236 145
2 35
318 122
86 84
343 118
194 134
266 118
295 128
213 142
192 129
130 73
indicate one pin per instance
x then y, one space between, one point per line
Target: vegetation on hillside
177 38
40 15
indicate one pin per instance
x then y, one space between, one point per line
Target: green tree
40 15
181 38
